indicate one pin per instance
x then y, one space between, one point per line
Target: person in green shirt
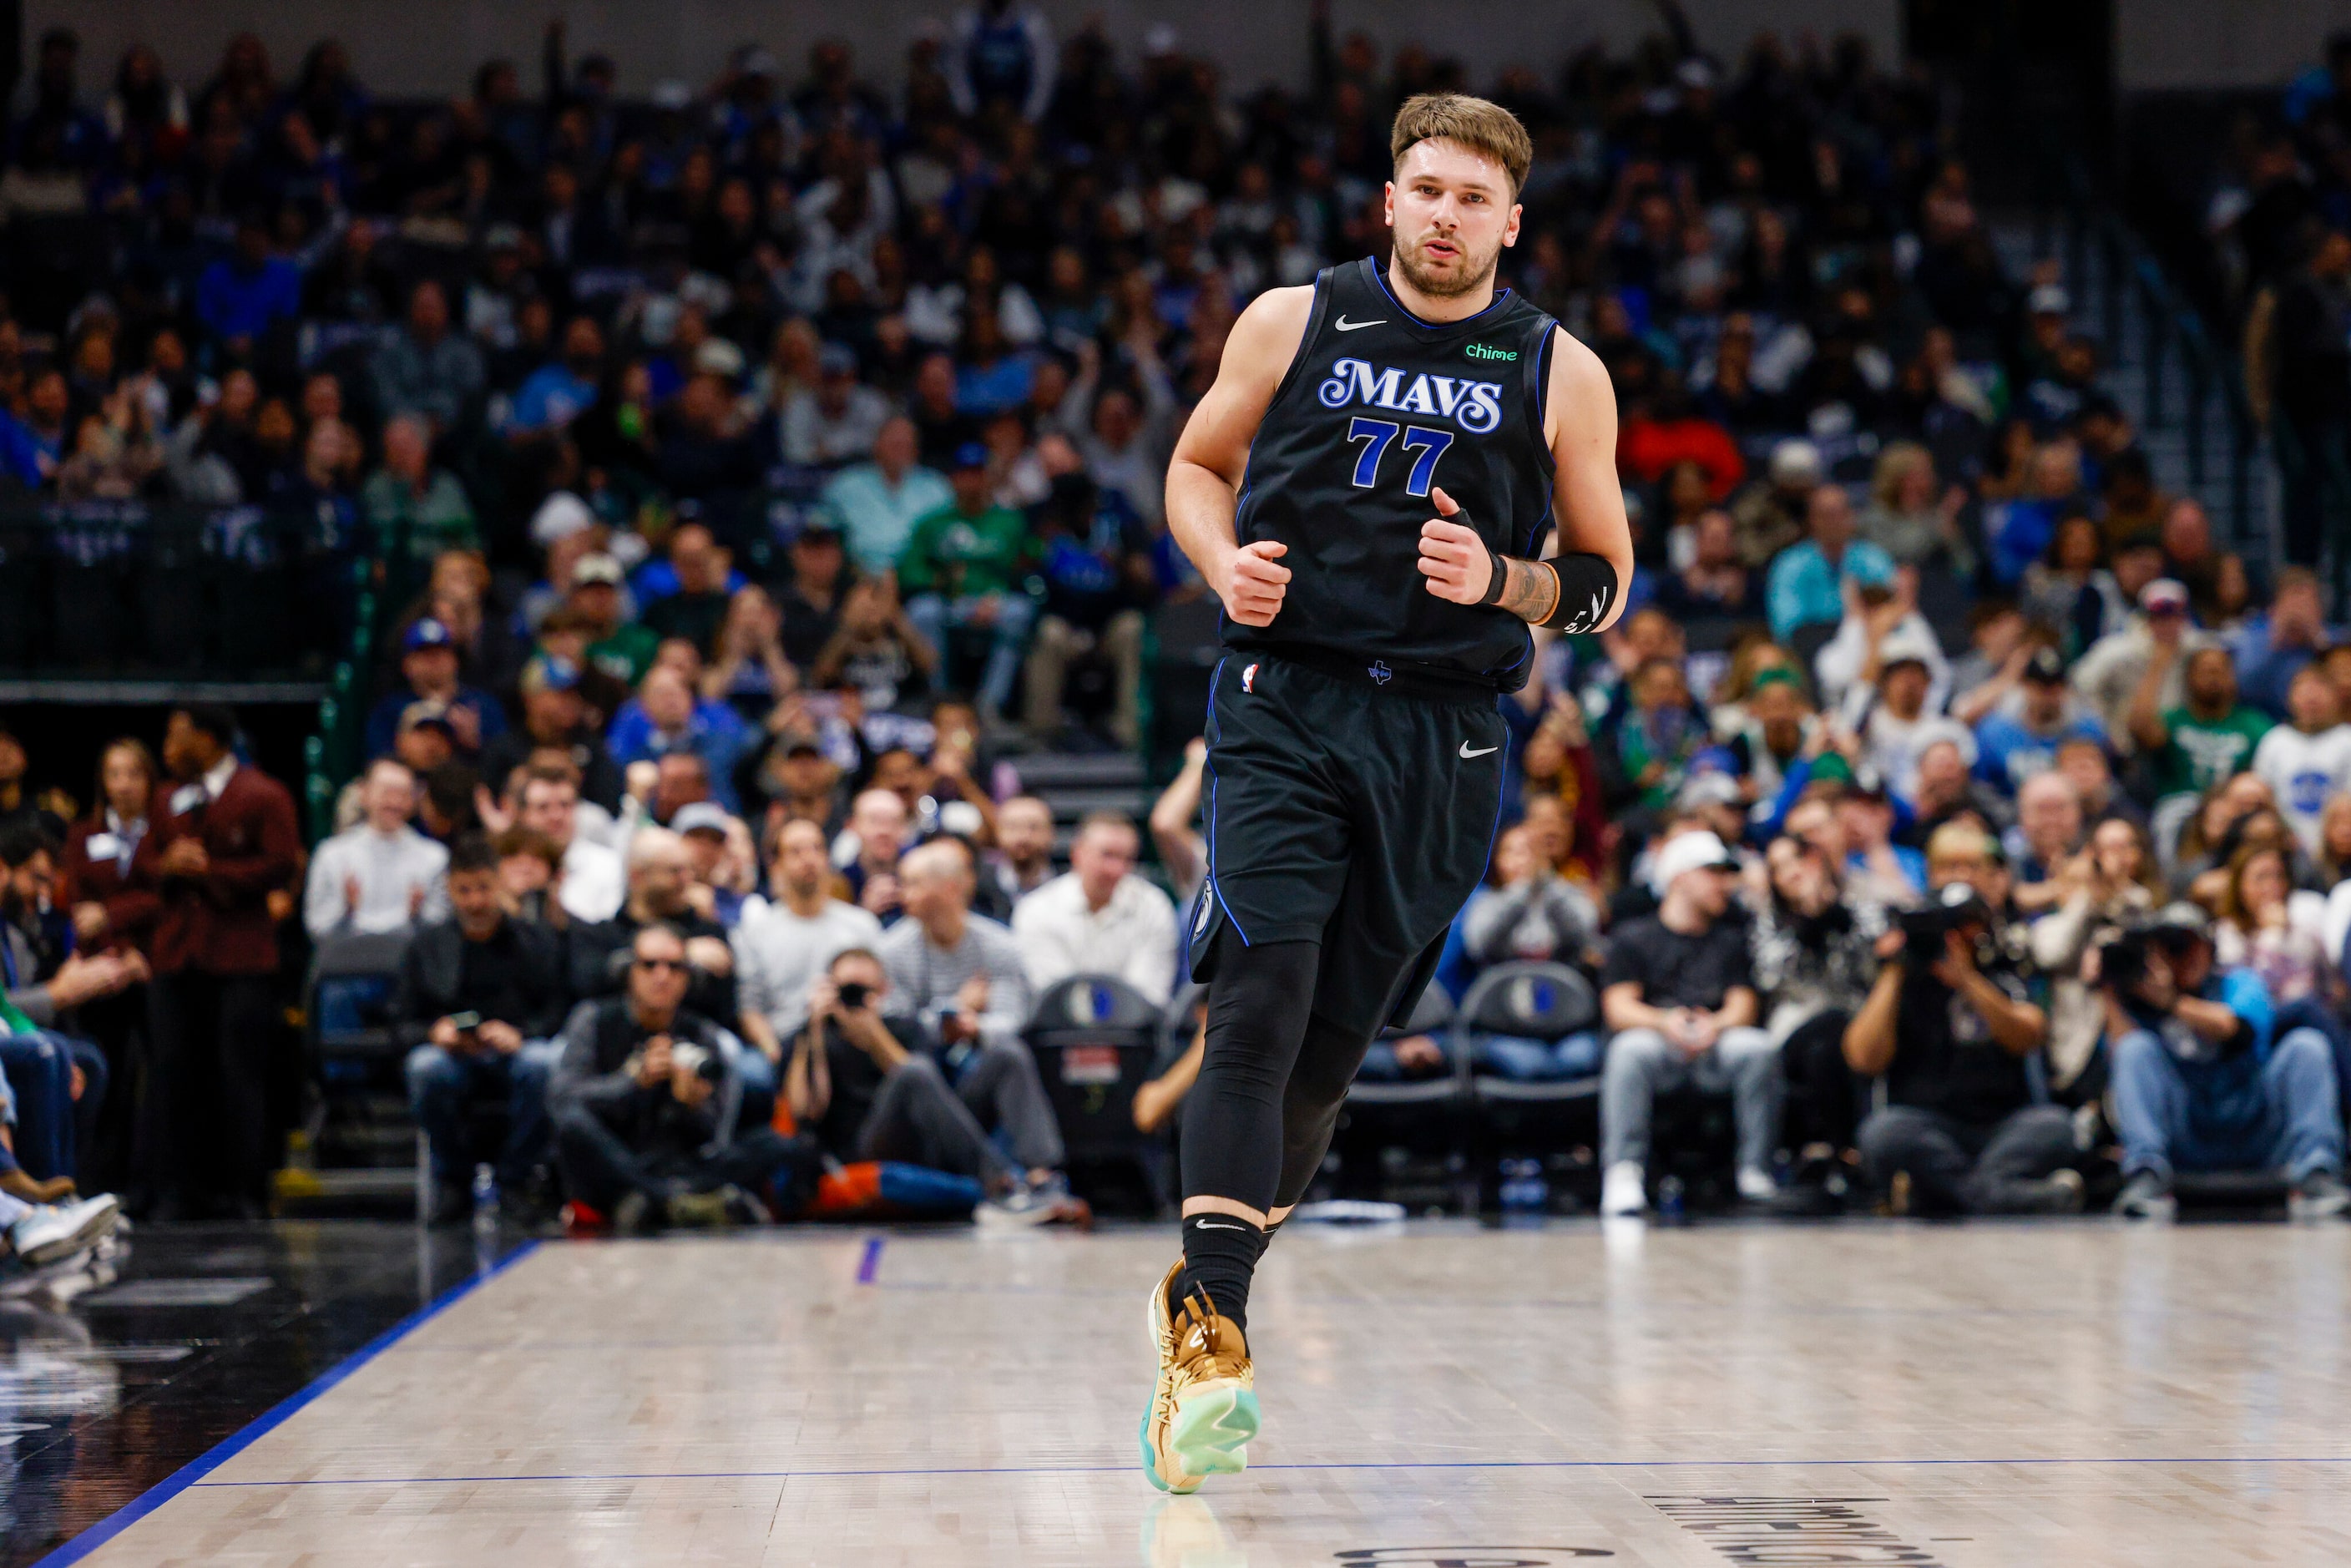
2210 739
963 566
620 648
408 494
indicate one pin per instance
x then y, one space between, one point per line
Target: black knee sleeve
1257 1018
1327 1062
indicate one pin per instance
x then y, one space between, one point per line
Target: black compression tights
1271 1080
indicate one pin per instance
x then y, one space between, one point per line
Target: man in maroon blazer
225 840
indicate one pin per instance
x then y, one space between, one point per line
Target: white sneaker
1623 1190
61 1229
1757 1187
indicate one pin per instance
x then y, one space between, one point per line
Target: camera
854 994
1950 908
2171 930
702 1063
466 1023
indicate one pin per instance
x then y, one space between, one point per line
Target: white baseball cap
1700 851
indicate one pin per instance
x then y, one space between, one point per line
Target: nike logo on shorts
1467 751
1344 325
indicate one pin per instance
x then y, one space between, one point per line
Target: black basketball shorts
1345 812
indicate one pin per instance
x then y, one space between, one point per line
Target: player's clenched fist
1453 558
1254 583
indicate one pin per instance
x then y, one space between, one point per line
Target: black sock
1220 1252
1265 1240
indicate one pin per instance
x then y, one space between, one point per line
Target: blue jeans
39 1068
444 1086
933 616
2278 1114
1523 1061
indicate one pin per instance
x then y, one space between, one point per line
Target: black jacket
432 968
596 1074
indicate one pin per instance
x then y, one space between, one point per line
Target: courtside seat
1526 999
1094 1038
1432 1015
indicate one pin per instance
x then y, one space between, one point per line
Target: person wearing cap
1804 586
878 502
2210 737
622 648
1769 513
426 368
2108 673
429 674
380 874
1875 867
1679 994
555 717
2020 738
717 848
834 422
963 568
1899 715
1950 1026
2202 1081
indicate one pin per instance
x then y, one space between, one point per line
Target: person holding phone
475 992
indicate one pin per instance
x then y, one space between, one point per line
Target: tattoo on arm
1530 590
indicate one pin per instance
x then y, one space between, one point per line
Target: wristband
1587 587
1498 576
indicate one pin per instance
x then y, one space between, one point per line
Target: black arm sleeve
1587 588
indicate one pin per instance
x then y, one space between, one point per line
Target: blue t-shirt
2008 753
552 396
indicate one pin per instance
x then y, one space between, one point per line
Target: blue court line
870 1263
1331 1465
194 1472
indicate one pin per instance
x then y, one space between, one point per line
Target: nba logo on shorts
1249 679
1380 673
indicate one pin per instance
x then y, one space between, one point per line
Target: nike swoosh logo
1344 325
1467 753
1212 1225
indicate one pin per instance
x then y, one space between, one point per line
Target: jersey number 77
1378 434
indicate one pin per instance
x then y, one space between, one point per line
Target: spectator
1899 715
2290 637
555 717
1716 584
1100 917
594 883
225 843
1875 867
559 391
837 421
784 943
2307 762
240 297
479 994
1802 588
879 503
868 854
2208 738
661 893
2047 837
46 987
1647 744
2199 1084
2278 933
409 499
2070 589
2107 677
1907 519
2020 739
428 369
667 716
1771 512
429 674
1095 558
866 1079
381 875
960 976
2190 557
1678 997
1811 950
809 605
112 910
961 568
691 597
2311 396
1949 1026
642 1110
1529 910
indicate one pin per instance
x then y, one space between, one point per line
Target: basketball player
1368 487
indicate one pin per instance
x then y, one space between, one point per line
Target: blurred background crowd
761 691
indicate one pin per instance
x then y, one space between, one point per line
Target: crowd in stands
767 463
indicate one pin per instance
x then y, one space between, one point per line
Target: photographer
644 1111
867 1085
2198 1083
1950 1025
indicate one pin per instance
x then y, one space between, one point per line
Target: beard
1475 272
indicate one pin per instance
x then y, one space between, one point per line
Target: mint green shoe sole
1149 1464
1211 1431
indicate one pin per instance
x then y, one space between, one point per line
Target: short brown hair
1473 122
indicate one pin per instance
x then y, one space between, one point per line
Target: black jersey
1377 408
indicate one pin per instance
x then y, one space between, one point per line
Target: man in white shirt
782 946
1099 918
380 874
594 883
2307 762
